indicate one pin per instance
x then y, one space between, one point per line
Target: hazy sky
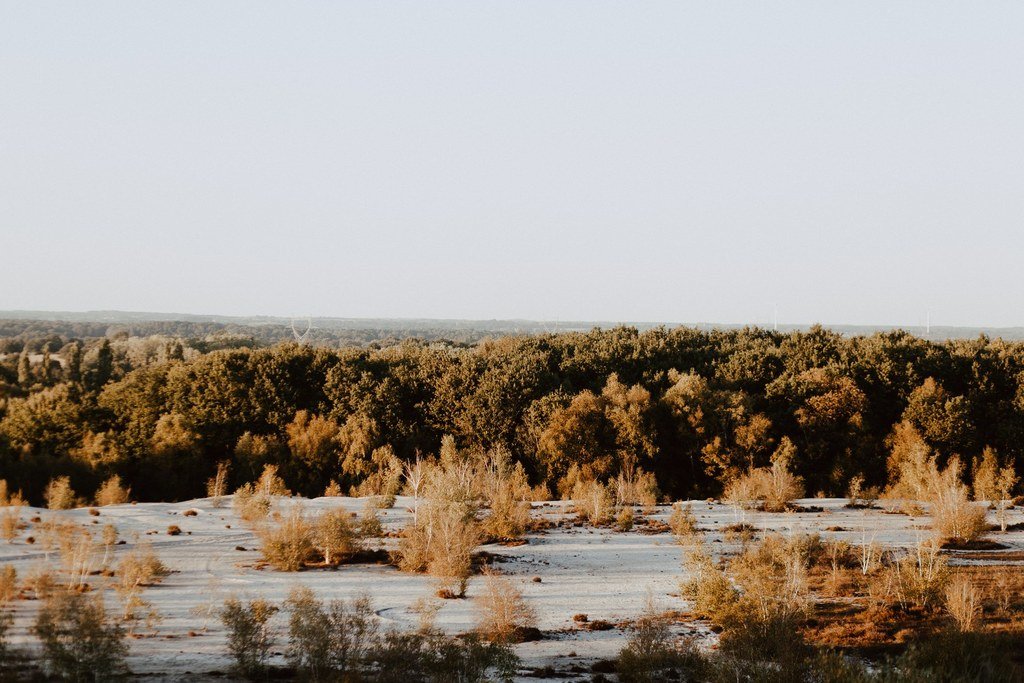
856 162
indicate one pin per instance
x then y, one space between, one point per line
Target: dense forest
694 407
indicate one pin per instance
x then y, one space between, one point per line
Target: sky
836 162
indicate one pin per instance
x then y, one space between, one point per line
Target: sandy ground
602 573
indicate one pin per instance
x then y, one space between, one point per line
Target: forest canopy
697 408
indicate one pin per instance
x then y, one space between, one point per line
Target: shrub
270 484
8 583
249 505
385 479
683 522
10 518
108 538
78 642
707 587
860 496
76 553
333 536
333 490
503 613
329 642
139 568
287 540
918 577
441 543
636 487
250 638
955 657
592 501
651 655
41 582
624 520
369 522
7 654
111 492
773 488
963 603
59 495
506 490
954 517
451 557
509 515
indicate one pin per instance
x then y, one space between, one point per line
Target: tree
102 366
74 363
25 378
313 442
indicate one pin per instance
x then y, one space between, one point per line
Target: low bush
771 488
683 522
139 568
624 520
651 654
503 613
287 540
78 641
329 642
334 536
441 543
962 601
250 636
341 641
8 583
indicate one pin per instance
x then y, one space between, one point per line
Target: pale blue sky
853 162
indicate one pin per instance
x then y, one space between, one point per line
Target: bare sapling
415 474
217 485
592 501
994 484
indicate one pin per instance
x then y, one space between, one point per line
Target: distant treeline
18 334
694 407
